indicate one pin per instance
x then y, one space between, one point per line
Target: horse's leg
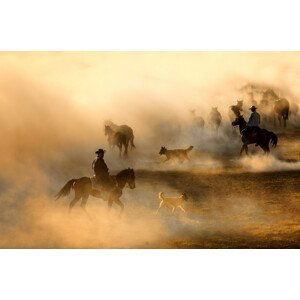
246 149
117 201
159 207
120 150
267 149
181 208
126 148
242 149
279 120
84 201
74 201
83 205
110 201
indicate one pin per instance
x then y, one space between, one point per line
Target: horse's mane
241 117
109 129
125 172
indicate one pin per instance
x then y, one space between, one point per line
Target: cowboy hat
253 107
100 151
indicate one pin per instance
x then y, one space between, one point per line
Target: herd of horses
123 137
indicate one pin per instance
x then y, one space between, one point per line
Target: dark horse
262 138
83 189
282 109
235 110
118 139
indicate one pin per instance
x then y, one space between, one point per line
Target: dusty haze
53 107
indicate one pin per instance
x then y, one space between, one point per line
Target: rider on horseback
101 170
254 119
252 127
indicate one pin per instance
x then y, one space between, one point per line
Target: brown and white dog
180 154
172 202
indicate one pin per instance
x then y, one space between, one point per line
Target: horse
266 106
83 188
266 111
235 110
262 138
198 121
282 109
214 118
118 139
125 129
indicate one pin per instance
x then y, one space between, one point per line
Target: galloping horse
118 139
125 129
282 109
197 121
262 138
235 110
214 118
83 189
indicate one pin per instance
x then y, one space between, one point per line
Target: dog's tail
161 196
189 148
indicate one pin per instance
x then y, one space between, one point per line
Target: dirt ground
248 202
230 207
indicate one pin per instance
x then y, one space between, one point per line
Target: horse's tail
274 139
189 148
65 191
131 141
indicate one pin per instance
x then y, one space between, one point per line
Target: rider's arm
250 119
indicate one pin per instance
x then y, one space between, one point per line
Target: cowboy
101 170
252 127
254 119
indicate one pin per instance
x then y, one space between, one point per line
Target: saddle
251 133
96 185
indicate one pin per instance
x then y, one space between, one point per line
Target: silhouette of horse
118 139
262 138
83 188
125 129
214 118
198 121
282 109
266 106
235 110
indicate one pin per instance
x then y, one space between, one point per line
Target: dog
172 202
180 154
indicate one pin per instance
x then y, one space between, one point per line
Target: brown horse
214 118
262 138
282 109
118 139
197 121
83 188
125 129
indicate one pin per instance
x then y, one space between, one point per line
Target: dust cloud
53 107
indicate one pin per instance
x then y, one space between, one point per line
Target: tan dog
172 202
180 154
